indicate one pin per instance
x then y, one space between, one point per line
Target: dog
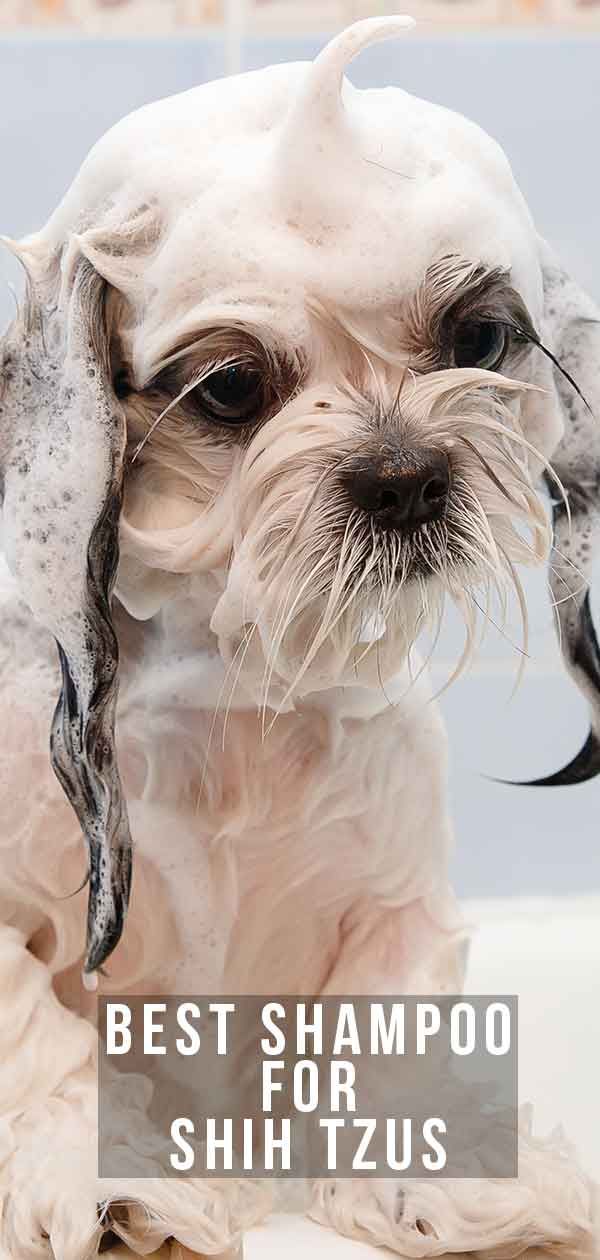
291 370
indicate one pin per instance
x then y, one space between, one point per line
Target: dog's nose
401 487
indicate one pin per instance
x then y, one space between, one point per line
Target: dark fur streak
585 766
586 657
82 742
586 653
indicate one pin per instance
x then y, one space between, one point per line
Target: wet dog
291 367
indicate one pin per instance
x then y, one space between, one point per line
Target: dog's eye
234 395
481 344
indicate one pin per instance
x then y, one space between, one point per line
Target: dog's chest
296 822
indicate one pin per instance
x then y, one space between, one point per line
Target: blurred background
527 71
111 15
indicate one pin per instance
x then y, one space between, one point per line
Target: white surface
296 1238
548 952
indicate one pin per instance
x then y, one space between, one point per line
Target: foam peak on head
322 91
319 132
319 103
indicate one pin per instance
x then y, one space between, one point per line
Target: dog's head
291 336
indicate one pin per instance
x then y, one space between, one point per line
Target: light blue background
539 94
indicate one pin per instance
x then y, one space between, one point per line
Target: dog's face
295 327
318 374
337 470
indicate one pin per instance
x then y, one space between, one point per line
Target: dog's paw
377 1212
197 1218
54 1205
200 1217
550 1205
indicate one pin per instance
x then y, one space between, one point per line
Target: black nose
400 487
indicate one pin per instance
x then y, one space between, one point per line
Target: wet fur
280 783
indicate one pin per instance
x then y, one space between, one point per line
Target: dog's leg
53 1203
550 1204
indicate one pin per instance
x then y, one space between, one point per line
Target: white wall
540 96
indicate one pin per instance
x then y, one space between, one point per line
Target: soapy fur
281 758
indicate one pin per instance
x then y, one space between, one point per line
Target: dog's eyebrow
176 359
252 320
456 289
226 337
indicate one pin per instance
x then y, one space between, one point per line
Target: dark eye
234 395
481 344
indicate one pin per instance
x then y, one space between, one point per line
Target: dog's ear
62 439
571 332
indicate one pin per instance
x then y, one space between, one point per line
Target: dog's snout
401 487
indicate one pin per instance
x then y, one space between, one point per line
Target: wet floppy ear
62 441
572 333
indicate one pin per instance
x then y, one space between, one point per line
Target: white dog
296 344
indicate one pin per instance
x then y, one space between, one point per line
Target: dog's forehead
268 203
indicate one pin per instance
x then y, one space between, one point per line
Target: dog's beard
317 595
